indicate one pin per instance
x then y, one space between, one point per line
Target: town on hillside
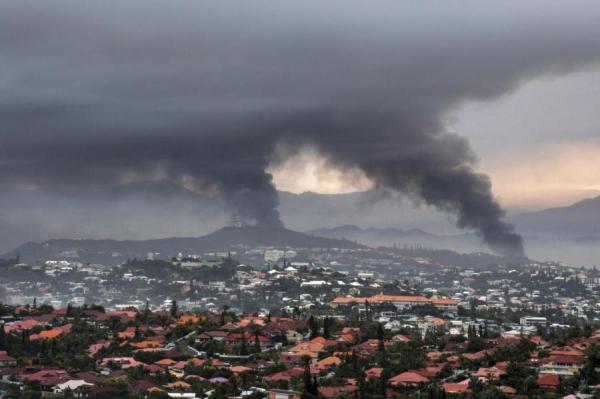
300 323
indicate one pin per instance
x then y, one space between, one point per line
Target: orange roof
178 385
508 390
123 362
373 372
337 391
49 334
145 344
435 355
329 361
308 346
52 333
179 365
436 321
401 338
478 355
408 378
239 369
346 300
444 301
95 348
188 319
539 341
302 353
246 321
346 338
489 372
567 351
380 298
129 332
398 298
453 387
26 324
166 362
502 365
548 380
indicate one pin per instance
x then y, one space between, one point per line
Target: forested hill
225 239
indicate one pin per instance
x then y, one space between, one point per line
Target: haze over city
466 110
306 199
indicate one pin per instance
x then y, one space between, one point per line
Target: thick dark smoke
435 167
96 94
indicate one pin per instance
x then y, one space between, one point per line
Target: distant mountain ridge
413 237
145 210
224 239
581 219
353 229
141 212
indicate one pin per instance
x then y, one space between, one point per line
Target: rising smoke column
202 93
398 154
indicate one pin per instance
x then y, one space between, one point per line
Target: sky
539 144
541 141
464 106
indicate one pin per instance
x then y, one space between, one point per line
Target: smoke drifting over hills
96 94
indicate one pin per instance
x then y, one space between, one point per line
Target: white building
530 321
70 385
273 255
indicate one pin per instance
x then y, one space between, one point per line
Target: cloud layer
203 93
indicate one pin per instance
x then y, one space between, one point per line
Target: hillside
581 220
404 238
156 209
224 239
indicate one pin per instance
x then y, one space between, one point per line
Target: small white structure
273 255
70 385
533 321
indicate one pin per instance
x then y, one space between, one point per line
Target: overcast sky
539 143
413 97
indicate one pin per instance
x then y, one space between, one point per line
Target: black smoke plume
431 166
94 95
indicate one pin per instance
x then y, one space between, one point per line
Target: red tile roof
408 378
332 392
548 380
453 387
574 360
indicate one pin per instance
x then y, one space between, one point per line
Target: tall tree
256 342
309 385
313 325
327 327
146 311
2 338
174 308
380 338
244 345
362 385
224 313
383 383
381 347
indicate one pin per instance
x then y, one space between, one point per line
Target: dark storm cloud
203 92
